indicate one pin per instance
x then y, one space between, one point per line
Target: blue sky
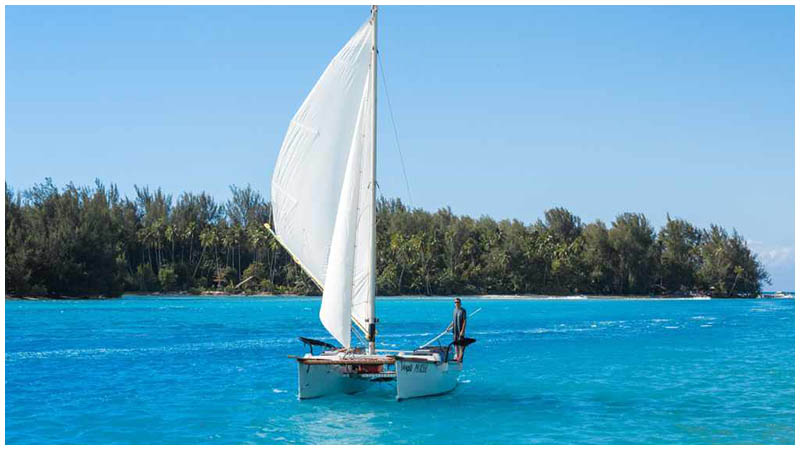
503 111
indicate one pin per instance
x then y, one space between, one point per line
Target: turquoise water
214 370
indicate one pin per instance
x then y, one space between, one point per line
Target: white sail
363 269
345 277
322 186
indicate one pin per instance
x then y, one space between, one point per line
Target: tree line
90 241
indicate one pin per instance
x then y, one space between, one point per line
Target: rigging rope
354 330
394 126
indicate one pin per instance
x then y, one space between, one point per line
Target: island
92 242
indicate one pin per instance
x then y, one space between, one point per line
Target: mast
374 74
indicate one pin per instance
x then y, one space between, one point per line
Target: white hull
321 380
418 374
421 378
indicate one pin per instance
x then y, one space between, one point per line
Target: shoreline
482 297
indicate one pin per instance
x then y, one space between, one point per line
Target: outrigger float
323 214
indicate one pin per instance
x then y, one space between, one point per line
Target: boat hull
419 378
320 380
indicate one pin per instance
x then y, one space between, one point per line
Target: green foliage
679 255
257 270
562 224
167 278
66 243
597 257
727 267
82 241
145 279
634 256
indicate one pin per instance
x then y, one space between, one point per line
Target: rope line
394 126
358 335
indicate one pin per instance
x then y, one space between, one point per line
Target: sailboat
324 212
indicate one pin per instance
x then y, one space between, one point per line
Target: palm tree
208 238
169 234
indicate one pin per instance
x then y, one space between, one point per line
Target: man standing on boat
459 326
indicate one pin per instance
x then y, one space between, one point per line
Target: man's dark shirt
459 321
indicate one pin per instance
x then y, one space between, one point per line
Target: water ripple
149 370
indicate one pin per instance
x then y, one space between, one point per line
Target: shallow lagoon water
214 370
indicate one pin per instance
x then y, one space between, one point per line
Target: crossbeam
345 362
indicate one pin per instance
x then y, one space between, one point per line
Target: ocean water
170 370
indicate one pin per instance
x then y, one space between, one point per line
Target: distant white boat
323 199
777 294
